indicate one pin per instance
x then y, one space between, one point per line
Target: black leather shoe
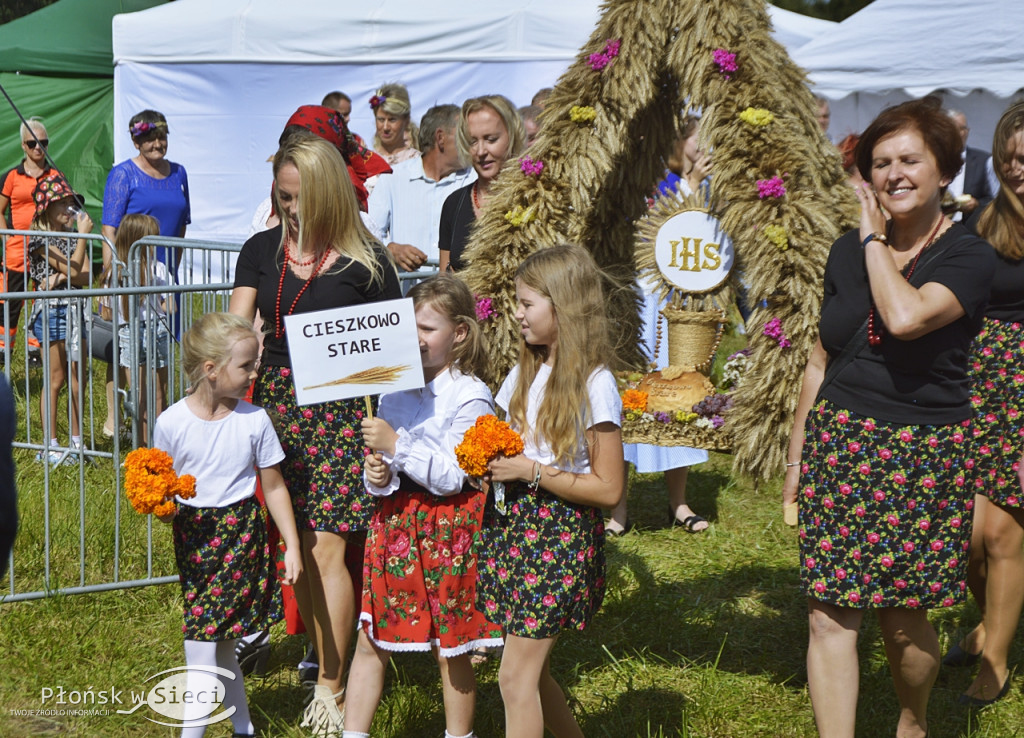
969 701
958 657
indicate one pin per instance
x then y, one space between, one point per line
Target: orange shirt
18 187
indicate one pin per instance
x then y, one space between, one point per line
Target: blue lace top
130 190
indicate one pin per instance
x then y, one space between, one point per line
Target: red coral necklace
875 338
279 317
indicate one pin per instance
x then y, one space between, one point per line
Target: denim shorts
161 340
57 316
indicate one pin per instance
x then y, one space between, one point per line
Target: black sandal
689 522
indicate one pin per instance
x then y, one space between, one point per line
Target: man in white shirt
406 205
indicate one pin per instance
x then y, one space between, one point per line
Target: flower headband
377 100
143 127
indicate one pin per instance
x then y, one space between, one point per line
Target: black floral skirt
997 374
885 511
542 565
226 571
323 446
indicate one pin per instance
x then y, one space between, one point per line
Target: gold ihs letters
688 251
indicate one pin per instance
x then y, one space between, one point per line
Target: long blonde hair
567 276
133 227
328 211
451 298
1002 224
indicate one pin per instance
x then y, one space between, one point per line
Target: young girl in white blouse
419 573
542 566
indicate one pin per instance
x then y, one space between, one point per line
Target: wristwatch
874 237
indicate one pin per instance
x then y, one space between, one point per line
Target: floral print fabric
323 465
542 566
885 511
996 370
226 571
420 574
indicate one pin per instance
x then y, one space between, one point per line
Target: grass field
700 635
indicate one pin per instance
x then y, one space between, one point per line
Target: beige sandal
322 716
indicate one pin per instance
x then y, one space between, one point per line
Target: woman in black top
331 261
996 564
490 132
878 456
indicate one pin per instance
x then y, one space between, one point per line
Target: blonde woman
320 256
490 132
395 138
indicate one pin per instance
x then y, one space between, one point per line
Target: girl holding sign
419 574
542 562
320 256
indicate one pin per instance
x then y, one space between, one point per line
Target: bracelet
881 237
793 463
537 469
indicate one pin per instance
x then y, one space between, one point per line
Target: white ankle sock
470 734
353 734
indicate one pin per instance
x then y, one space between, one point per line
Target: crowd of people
904 457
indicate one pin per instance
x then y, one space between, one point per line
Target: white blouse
430 423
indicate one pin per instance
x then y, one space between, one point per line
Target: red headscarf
328 124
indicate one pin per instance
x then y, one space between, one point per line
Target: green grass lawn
700 635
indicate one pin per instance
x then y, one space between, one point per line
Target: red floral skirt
420 571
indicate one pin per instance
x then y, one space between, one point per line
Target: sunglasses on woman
44 142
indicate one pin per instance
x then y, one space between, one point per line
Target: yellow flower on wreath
757 116
582 114
777 235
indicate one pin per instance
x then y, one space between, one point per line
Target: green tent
58 64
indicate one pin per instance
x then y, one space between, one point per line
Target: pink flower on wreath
484 308
602 59
773 329
772 187
725 60
531 167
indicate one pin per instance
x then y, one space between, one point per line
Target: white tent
895 50
229 73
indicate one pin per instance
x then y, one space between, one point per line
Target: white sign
692 251
354 351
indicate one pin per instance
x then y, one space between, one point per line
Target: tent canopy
895 50
378 31
902 45
70 37
228 74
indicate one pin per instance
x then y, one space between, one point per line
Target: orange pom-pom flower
488 438
633 399
151 484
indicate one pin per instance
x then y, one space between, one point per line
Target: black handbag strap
853 347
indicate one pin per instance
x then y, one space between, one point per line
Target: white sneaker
54 457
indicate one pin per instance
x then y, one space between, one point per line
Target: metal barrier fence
77 532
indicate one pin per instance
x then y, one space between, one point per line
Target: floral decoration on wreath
377 100
144 126
774 188
531 167
151 483
602 59
582 113
484 308
725 60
